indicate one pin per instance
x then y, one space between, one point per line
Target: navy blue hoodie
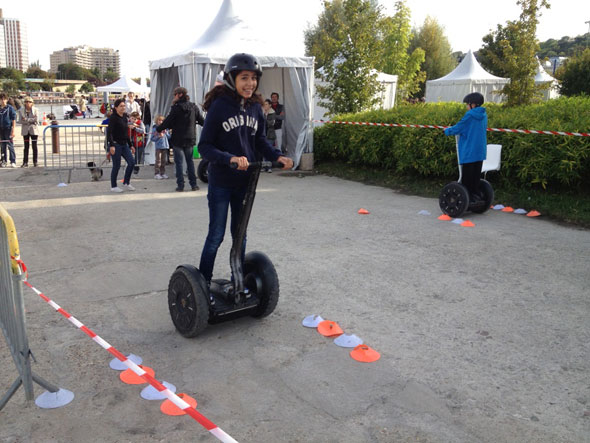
232 131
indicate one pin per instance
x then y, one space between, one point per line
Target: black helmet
237 63
474 98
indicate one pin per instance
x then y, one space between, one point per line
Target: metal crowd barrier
71 147
12 312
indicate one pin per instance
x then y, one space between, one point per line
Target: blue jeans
125 152
5 135
220 199
185 154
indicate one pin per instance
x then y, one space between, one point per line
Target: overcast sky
147 30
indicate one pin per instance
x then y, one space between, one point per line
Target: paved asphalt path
483 332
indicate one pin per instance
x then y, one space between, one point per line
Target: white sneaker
128 187
158 177
116 189
164 176
13 165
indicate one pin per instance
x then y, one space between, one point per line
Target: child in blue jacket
472 129
161 139
234 132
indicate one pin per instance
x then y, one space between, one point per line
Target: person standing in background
279 118
7 124
29 119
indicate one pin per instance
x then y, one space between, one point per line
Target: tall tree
491 54
346 44
575 75
397 34
438 57
519 56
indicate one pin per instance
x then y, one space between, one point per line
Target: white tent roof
468 69
227 34
542 75
291 75
124 84
468 77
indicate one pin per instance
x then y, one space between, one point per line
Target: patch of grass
566 206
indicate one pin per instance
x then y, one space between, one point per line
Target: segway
202 171
454 199
254 289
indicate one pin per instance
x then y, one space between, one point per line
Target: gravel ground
483 332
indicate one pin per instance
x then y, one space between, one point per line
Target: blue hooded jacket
472 129
232 131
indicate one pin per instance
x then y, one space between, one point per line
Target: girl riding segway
233 142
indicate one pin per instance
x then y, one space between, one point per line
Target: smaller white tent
124 84
542 78
467 77
386 96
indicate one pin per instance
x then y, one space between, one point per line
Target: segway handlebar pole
262 164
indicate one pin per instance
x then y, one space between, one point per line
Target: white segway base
51 400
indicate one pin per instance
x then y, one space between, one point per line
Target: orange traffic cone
45 120
169 408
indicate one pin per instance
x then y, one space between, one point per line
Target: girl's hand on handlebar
286 162
242 162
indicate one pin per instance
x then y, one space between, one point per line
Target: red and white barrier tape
398 125
200 418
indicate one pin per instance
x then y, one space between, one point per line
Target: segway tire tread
258 265
486 190
188 303
202 172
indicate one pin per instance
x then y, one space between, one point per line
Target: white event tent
467 77
542 78
196 68
124 84
386 96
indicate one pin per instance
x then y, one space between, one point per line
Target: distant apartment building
86 57
14 47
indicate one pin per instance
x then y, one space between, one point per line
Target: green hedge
527 159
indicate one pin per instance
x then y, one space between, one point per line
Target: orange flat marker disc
131 378
363 211
444 217
467 224
365 354
533 213
329 328
169 408
508 209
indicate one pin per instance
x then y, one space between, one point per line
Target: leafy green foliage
439 60
350 81
519 57
87 87
490 55
564 47
538 161
575 76
396 58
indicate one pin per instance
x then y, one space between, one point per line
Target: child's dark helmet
475 97
237 63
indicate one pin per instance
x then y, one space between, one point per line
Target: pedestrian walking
120 146
29 119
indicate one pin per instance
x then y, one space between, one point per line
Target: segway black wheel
188 301
487 192
202 172
260 277
453 199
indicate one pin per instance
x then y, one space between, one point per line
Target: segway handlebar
262 164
